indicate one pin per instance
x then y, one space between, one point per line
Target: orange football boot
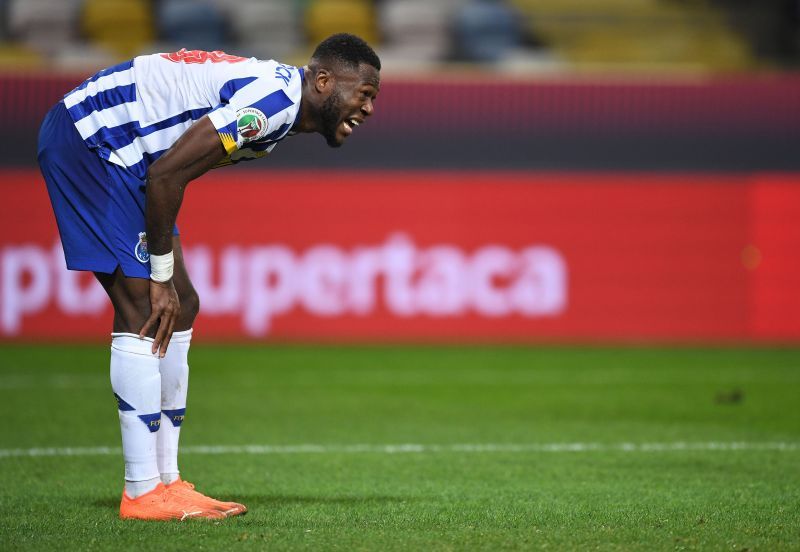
159 505
185 491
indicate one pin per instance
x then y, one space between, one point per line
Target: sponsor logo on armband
251 124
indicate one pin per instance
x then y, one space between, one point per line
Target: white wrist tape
161 267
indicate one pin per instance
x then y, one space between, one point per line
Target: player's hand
164 310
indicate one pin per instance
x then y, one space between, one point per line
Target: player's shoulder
274 76
202 60
218 60
278 70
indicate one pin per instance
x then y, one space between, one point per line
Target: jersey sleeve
251 110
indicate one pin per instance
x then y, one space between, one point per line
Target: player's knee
130 316
190 305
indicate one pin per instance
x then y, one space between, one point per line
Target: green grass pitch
509 448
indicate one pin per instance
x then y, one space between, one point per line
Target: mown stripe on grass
409 448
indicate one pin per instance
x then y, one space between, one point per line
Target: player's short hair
345 49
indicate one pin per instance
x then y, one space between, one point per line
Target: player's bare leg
174 384
151 395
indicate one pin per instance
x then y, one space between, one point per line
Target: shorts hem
91 265
108 268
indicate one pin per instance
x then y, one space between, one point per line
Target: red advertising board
445 256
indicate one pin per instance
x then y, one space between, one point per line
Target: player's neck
308 109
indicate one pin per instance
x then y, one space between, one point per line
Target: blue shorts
99 206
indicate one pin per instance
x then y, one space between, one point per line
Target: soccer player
117 154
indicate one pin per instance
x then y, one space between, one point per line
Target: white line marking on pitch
55 381
410 448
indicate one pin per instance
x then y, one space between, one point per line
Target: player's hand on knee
164 311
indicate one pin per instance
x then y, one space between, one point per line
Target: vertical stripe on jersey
232 87
112 117
278 134
140 168
160 140
122 135
105 82
124 66
274 103
103 100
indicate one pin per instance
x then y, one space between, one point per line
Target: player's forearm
194 154
164 198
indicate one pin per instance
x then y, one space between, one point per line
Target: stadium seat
4 20
485 31
192 24
264 28
16 57
638 34
45 26
326 17
124 27
415 32
80 57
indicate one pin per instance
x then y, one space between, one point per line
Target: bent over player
117 153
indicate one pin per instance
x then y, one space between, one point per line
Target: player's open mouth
349 125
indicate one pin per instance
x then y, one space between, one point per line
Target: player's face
351 101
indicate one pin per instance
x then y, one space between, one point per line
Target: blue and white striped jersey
133 112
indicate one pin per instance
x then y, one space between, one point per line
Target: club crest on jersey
142 255
251 124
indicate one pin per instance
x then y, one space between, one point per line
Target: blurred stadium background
620 170
611 187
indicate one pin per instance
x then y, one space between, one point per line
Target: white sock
136 383
174 368
138 488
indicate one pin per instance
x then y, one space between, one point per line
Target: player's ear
323 80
